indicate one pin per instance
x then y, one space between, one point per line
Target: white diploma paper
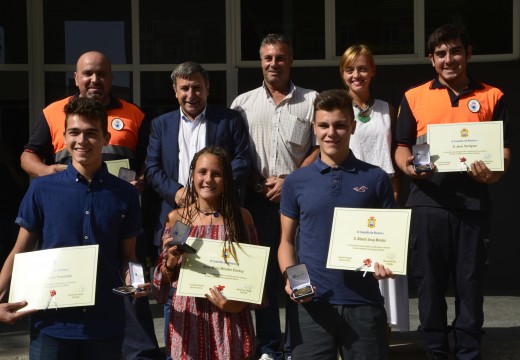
55 278
205 269
365 236
453 147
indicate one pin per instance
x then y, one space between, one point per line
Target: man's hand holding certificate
362 237
214 264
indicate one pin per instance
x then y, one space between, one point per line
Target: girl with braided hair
212 327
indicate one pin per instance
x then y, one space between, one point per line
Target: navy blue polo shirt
63 209
310 195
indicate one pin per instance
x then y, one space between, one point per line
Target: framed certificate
241 280
58 278
453 147
361 237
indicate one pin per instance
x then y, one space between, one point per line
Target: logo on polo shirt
473 105
118 124
360 188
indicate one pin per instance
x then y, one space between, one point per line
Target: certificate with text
361 237
241 280
454 147
55 278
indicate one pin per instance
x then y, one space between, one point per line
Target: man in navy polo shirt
82 205
347 312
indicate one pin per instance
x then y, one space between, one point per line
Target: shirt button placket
335 186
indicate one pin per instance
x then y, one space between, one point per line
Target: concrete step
501 340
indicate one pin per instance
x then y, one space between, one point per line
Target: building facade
40 41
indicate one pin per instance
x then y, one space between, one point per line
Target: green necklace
364 114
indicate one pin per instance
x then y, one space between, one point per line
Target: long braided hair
230 209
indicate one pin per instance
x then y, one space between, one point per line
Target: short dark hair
187 69
447 32
89 108
333 99
272 39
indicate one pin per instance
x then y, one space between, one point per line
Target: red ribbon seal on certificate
463 165
52 294
367 263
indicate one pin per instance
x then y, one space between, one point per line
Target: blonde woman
372 142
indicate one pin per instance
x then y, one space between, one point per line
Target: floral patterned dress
197 329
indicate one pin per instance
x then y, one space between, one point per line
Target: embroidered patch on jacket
118 124
473 105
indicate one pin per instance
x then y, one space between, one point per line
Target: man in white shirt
279 117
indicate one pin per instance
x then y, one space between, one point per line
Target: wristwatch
259 187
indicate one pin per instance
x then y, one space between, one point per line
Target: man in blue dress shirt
83 205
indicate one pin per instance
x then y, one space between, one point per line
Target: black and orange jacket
433 103
126 124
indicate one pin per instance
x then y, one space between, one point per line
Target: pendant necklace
364 114
212 214
215 213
